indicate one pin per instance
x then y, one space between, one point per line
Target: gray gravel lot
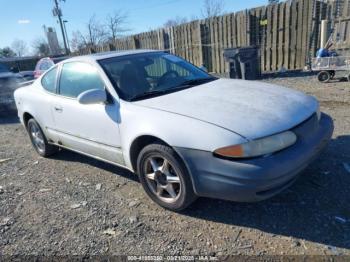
71 204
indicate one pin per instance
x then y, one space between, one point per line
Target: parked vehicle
9 78
184 132
45 63
27 75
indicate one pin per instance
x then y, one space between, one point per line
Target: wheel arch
143 140
26 117
138 144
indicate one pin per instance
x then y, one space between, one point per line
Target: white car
184 132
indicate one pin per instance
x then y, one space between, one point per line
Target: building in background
52 40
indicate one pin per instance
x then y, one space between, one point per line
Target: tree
96 32
7 52
176 21
19 46
212 8
41 47
94 35
77 41
115 24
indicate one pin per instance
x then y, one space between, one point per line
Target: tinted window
139 74
157 68
45 65
78 77
49 80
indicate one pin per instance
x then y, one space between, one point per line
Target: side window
78 77
49 80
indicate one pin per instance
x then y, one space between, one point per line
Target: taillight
36 74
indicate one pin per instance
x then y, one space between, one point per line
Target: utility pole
65 31
57 12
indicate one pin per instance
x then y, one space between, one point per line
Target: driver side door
91 129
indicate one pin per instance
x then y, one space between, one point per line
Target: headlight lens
259 147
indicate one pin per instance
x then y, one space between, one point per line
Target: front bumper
259 178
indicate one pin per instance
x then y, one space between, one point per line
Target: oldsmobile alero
184 132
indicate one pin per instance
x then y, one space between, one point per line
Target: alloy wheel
162 179
37 137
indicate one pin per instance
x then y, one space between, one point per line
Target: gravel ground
71 204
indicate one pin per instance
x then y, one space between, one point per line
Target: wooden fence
341 25
287 34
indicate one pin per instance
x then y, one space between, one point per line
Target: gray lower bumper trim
254 179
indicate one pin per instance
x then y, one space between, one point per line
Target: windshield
3 69
143 75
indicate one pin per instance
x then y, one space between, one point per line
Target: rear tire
324 76
38 139
164 177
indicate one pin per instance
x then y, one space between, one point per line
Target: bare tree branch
19 46
176 21
78 41
212 8
95 34
115 24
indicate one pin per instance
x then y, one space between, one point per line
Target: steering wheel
168 75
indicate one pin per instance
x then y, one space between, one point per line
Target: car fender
174 129
27 98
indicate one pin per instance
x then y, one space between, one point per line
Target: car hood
249 108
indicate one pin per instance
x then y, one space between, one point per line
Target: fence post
200 42
324 33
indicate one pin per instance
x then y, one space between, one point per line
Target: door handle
58 109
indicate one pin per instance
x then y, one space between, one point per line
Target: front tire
164 177
38 139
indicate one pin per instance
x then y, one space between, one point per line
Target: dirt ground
71 204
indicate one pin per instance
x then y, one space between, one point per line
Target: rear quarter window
49 80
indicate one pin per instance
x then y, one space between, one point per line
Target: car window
135 75
157 68
49 80
3 68
45 65
78 77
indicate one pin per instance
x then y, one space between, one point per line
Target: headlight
259 147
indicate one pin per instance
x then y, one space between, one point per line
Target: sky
24 19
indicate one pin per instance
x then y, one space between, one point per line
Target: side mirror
92 96
14 69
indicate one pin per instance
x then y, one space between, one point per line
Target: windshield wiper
183 85
147 94
197 81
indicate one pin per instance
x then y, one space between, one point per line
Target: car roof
105 55
54 59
